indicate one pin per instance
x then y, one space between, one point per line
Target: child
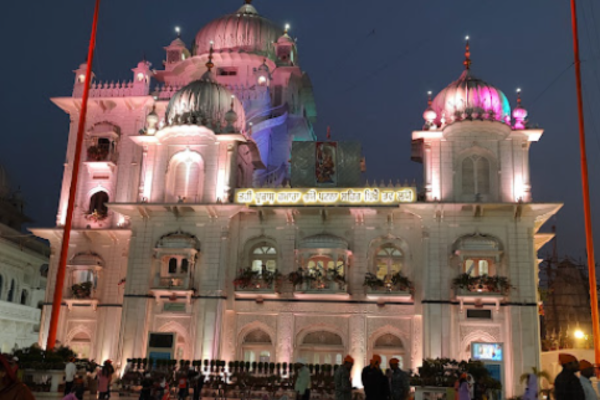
79 387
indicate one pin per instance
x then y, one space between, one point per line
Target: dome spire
467 62
209 64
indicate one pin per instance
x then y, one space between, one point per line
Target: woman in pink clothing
104 379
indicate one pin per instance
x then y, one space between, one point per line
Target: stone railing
19 312
113 89
175 282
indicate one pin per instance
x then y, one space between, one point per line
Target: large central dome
243 31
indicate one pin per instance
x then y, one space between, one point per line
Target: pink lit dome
470 97
245 31
206 103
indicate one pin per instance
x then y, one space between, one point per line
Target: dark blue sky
369 86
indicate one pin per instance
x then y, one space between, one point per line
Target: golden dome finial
467 62
518 97
209 64
429 93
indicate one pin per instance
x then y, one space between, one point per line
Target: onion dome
519 113
245 31
429 115
205 102
231 118
470 98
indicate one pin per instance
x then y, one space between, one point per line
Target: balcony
255 284
172 287
480 290
101 160
316 283
82 295
393 287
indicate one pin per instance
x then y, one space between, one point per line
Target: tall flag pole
64 252
589 238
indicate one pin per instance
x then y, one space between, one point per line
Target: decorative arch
398 336
104 127
252 351
270 260
478 335
321 350
183 337
395 241
478 254
81 340
476 177
185 177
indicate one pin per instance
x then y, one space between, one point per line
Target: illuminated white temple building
23 270
203 182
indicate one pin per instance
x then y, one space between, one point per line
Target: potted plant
296 278
82 290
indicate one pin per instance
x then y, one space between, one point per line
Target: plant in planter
296 278
483 283
244 278
372 282
335 275
402 283
97 153
82 290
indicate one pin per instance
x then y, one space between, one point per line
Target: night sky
371 63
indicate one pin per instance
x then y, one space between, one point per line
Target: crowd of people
392 385
569 386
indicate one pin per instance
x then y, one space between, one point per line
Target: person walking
531 391
302 386
566 385
104 381
586 371
146 392
399 382
10 387
70 371
182 384
341 380
376 385
197 382
464 389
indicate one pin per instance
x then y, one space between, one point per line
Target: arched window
388 261
24 297
187 180
98 203
389 346
323 264
322 347
475 175
477 266
263 257
257 346
173 266
11 291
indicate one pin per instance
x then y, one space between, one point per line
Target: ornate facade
23 270
163 244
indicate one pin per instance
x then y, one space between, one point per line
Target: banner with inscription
333 196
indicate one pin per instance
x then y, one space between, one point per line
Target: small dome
471 96
285 38
245 31
323 241
204 102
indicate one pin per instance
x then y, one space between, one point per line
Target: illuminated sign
322 196
487 351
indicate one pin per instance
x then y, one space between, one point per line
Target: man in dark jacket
566 384
376 384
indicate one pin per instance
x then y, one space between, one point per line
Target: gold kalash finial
467 62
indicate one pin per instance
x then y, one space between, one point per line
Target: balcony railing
249 281
484 285
173 282
390 285
323 286
318 281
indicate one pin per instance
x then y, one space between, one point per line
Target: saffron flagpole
64 252
587 212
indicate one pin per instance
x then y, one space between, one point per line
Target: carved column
285 338
357 346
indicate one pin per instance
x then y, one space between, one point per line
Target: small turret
141 78
80 80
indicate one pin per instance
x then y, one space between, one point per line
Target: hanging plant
96 153
82 290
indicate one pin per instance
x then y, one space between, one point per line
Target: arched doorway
257 346
322 347
389 346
